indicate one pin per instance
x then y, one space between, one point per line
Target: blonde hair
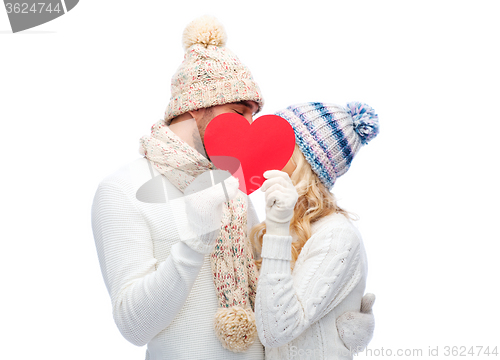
315 201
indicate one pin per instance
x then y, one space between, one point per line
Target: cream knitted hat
210 73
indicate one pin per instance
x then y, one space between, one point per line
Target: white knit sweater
296 310
162 291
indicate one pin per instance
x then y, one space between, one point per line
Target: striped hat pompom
364 119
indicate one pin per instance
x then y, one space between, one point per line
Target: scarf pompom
235 328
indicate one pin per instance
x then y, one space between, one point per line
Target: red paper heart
248 150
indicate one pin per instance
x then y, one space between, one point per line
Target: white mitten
356 328
281 197
204 198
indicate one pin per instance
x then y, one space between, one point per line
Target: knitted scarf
232 262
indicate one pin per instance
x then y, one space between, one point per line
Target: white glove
281 197
204 198
356 328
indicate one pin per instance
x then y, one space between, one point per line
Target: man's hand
204 199
356 328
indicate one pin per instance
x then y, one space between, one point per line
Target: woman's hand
356 328
281 197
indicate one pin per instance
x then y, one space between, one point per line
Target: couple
180 268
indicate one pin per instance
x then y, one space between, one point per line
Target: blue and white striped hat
329 135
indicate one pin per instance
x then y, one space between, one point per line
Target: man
156 245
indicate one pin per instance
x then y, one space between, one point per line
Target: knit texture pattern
210 74
298 310
161 290
330 136
233 266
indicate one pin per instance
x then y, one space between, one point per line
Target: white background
78 92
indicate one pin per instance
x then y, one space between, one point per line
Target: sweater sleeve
287 304
145 295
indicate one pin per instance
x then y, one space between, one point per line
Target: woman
313 266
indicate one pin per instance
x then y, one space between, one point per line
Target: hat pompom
205 30
235 328
365 121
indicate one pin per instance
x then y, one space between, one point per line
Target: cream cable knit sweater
296 311
162 291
